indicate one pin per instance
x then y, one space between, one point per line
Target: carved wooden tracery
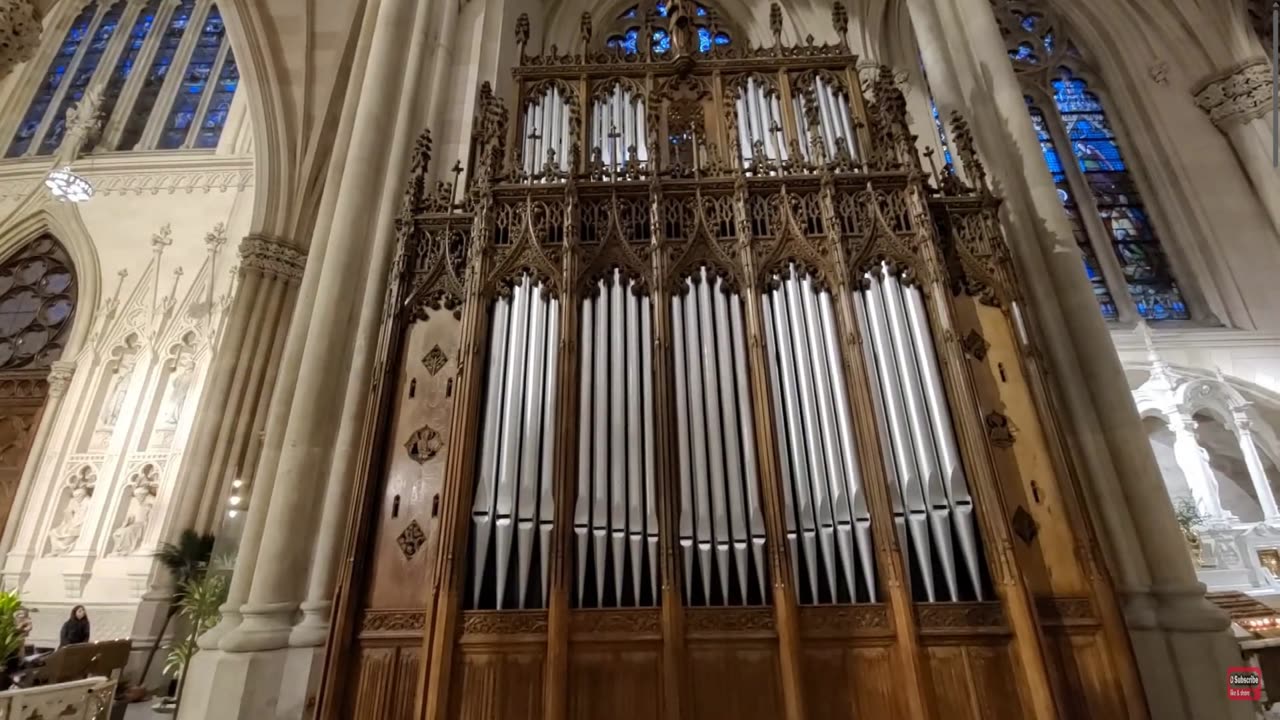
652 306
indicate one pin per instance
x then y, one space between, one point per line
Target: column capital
272 257
60 373
1238 95
19 33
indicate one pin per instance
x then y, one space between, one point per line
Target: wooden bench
87 699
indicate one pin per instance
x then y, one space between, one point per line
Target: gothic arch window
37 304
103 44
1123 257
630 22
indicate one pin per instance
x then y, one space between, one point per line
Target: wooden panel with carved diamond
407 524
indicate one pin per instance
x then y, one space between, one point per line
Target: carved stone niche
72 508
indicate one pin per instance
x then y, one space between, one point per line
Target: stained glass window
59 67
628 40
199 69
82 76
1093 144
1100 292
128 56
215 115
154 81
37 303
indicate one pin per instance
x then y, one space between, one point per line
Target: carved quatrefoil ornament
411 539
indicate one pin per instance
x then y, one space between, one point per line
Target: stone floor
142 711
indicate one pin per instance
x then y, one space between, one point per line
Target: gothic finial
522 33
840 20
967 149
775 23
584 30
162 239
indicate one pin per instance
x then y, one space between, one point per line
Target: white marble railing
1243 556
88 699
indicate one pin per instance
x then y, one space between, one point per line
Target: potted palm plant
12 635
1189 516
199 611
187 561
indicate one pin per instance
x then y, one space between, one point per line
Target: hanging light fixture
68 186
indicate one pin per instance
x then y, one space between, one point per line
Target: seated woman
76 629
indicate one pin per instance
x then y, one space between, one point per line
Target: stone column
1194 463
1257 471
19 33
1180 638
314 628
1238 101
306 429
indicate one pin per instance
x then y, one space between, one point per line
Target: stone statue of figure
128 537
63 536
83 120
179 386
113 403
684 34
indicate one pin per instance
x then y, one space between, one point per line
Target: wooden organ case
702 400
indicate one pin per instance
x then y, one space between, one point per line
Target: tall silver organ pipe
828 525
513 511
618 126
834 121
615 520
721 524
546 133
931 498
759 123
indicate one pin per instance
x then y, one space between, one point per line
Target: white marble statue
128 537
179 387
63 536
113 402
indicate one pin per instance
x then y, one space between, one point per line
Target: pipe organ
741 418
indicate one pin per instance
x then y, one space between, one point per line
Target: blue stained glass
1048 42
1025 53
215 117
194 81
661 42
662 9
701 11
625 42
124 65
80 79
1028 22
1133 238
52 81
721 39
942 132
154 80
630 13
1106 303
704 40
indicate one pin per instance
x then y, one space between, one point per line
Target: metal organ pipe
899 432
781 340
834 120
615 518
758 114
512 513
926 458
546 128
721 528
617 124
819 459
